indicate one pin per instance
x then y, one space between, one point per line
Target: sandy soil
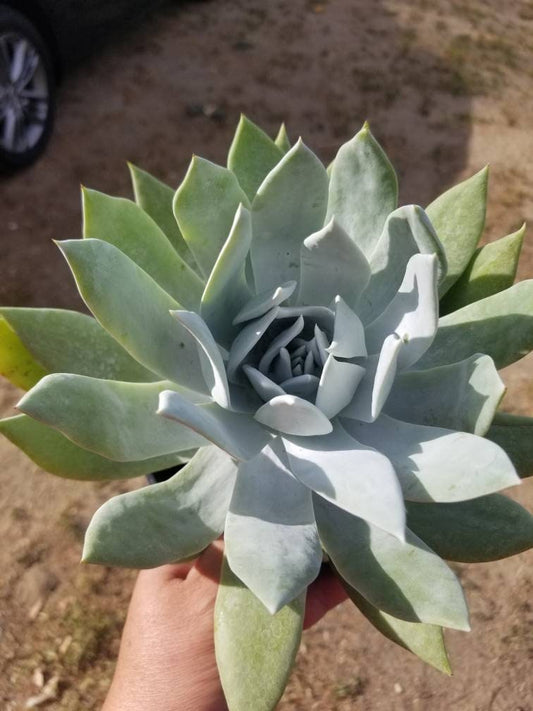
446 87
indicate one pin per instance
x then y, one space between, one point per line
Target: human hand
167 654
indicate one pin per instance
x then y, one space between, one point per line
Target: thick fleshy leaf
403 579
246 339
252 155
515 435
166 522
205 205
304 386
227 289
425 641
488 528
348 332
413 314
323 317
213 368
293 415
461 396
435 464
125 225
258 305
263 386
290 205
17 364
115 419
331 264
270 537
500 326
458 216
282 340
337 386
491 269
156 198
407 232
238 435
71 342
375 386
351 475
363 189
134 310
255 650
282 139
55 453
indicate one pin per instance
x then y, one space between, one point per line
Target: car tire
27 91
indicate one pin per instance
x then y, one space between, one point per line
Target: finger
155 578
209 563
323 595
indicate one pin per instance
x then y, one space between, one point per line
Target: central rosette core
290 354
291 357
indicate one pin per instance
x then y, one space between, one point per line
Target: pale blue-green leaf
375 386
134 309
407 232
458 216
166 522
115 419
436 464
500 326
403 579
205 205
348 332
55 453
252 155
425 641
213 368
227 290
270 537
290 205
363 189
282 139
515 435
331 264
491 269
17 364
263 386
282 340
322 316
237 434
337 386
245 341
461 396
125 225
156 198
301 385
413 314
488 528
71 342
255 650
261 303
350 475
293 415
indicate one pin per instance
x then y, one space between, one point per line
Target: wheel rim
24 94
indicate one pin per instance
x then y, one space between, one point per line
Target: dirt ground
446 86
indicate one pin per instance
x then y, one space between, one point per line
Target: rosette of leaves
275 327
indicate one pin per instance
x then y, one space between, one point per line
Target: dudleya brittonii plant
275 326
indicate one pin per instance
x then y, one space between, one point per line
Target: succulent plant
274 327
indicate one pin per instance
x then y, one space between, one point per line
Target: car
39 41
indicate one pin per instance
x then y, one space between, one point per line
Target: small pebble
49 693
